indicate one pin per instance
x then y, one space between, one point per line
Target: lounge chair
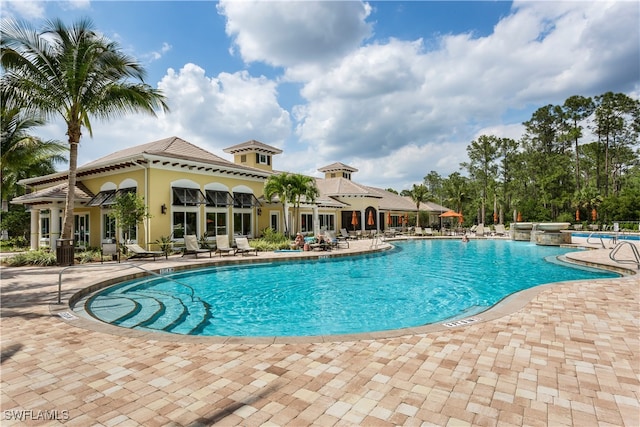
243 247
191 246
427 231
222 245
418 231
500 230
480 230
138 252
345 234
109 249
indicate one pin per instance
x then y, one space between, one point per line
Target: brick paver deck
563 354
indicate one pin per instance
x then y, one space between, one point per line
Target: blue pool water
607 236
421 282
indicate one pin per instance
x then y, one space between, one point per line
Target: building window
244 200
333 175
243 158
306 223
108 197
242 223
184 222
327 222
44 225
263 159
108 228
218 198
187 197
81 229
216 224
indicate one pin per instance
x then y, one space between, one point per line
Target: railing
595 243
162 273
634 251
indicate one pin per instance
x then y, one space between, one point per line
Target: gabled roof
252 146
52 194
175 150
392 201
170 147
337 166
343 187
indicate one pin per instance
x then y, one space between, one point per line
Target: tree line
575 162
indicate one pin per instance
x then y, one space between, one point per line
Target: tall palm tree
74 73
419 194
303 187
279 185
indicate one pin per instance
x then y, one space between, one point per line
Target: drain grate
460 322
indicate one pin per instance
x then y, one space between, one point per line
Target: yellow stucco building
189 190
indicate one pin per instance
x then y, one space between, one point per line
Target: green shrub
40 257
272 236
265 246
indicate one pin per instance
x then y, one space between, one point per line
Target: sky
395 89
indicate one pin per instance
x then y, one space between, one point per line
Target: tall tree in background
617 124
575 110
279 185
508 158
483 153
302 187
73 73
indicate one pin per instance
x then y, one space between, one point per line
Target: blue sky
395 89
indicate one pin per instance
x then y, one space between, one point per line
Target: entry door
275 221
81 230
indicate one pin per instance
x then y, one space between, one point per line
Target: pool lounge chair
480 230
418 231
222 246
243 247
109 250
191 246
500 230
345 234
138 252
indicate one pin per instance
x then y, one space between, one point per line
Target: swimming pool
420 282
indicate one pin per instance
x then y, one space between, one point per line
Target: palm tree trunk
67 224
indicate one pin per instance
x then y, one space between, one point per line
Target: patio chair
418 231
500 230
138 252
427 231
243 247
345 234
222 246
110 250
191 246
480 230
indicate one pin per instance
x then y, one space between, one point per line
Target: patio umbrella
577 214
389 218
594 214
519 219
354 219
460 218
451 214
495 217
370 220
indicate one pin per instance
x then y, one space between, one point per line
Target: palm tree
419 194
23 155
74 73
302 187
279 185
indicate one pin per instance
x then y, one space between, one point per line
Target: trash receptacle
64 251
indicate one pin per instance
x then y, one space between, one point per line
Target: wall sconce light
259 211
163 209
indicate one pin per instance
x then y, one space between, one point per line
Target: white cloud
23 9
291 34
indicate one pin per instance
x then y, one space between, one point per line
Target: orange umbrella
594 214
577 214
495 217
389 218
370 219
519 217
354 218
460 218
450 214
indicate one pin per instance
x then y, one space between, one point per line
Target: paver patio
562 354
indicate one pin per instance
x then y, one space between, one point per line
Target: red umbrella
577 214
354 219
370 220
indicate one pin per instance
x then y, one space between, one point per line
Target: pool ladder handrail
613 239
150 272
634 250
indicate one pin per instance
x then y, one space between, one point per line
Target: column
54 226
316 221
35 230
